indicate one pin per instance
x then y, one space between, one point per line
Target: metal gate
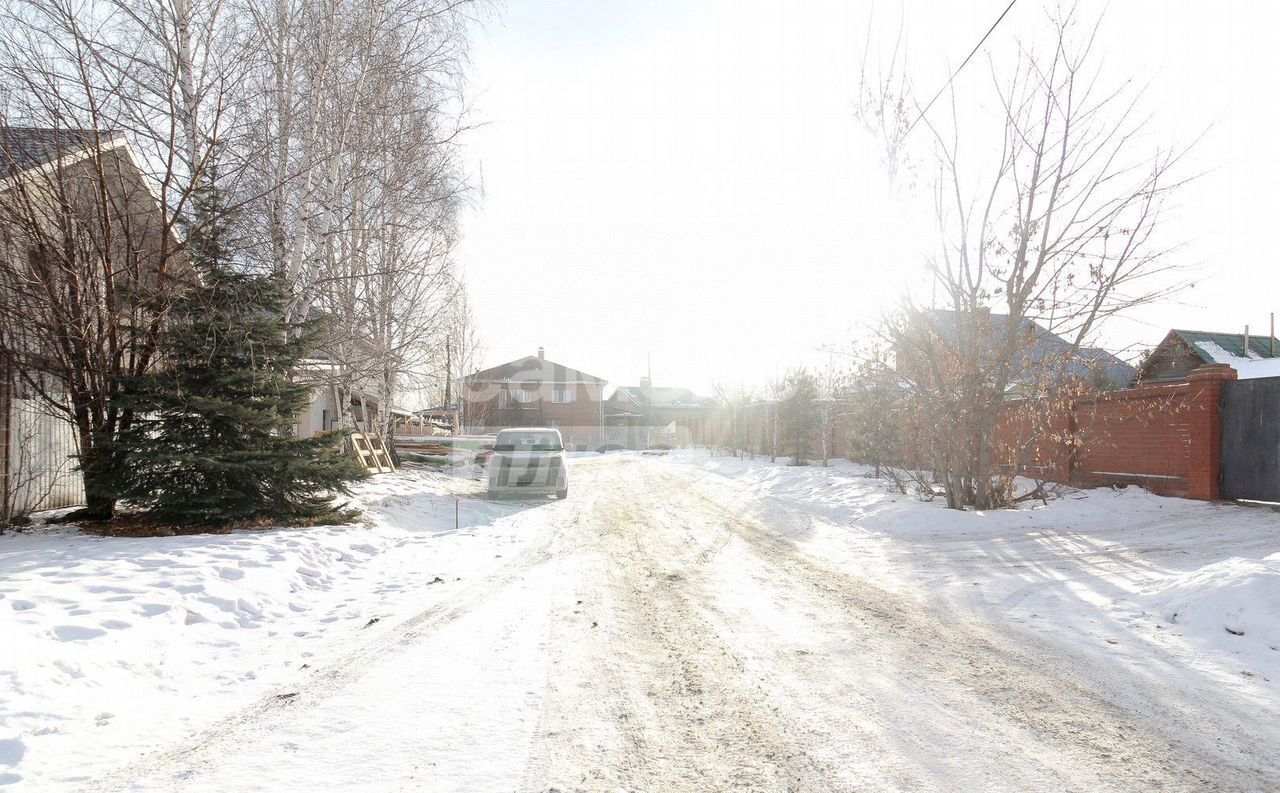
1251 439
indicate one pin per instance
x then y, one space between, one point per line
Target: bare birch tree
360 183
332 124
466 352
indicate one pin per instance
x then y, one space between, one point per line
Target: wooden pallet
372 453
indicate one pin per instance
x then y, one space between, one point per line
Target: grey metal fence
1251 439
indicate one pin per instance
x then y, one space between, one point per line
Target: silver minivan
528 460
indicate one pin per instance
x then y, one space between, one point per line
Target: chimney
1246 341
646 382
1273 334
542 354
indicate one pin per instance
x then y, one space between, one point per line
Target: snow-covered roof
1213 347
1219 354
1251 370
1248 367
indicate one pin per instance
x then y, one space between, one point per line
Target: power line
952 78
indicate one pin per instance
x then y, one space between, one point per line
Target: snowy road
656 636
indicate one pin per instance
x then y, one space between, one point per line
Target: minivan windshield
527 442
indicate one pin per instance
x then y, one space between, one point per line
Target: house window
504 399
562 396
523 395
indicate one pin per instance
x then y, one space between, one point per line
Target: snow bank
848 493
1233 604
1100 569
115 645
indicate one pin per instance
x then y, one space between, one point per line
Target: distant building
642 416
1182 351
535 392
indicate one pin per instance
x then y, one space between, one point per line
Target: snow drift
1233 604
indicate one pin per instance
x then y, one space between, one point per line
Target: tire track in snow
1043 694
685 717
259 718
587 731
583 689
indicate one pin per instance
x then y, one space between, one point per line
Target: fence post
1204 475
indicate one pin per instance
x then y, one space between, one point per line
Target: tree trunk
448 372
984 494
95 470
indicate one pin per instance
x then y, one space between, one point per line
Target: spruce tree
798 411
212 439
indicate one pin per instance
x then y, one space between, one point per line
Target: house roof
533 369
662 397
1225 347
24 148
1045 344
1229 348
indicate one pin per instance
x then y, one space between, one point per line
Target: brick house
1183 351
535 392
642 416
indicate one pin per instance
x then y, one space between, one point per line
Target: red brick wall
1166 438
1035 441
1140 436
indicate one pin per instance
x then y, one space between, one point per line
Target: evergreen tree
875 412
212 442
798 411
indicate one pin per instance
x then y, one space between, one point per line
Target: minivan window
527 442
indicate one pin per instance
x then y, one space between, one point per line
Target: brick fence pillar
1204 477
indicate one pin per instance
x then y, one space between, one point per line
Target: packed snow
457 643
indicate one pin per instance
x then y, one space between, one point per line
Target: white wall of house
312 421
41 460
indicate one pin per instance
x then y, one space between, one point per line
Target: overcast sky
685 180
